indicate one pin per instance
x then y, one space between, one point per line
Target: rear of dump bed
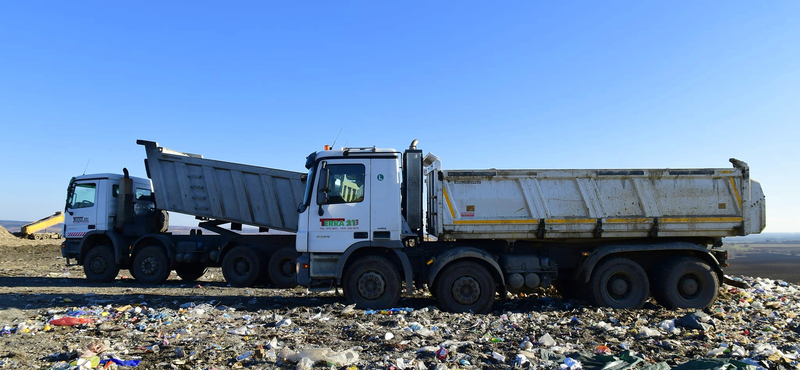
231 192
562 204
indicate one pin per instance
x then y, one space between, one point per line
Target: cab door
340 212
81 215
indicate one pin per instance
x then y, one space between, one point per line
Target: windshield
309 187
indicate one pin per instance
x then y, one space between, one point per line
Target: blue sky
520 85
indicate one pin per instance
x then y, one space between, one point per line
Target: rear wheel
372 282
282 268
242 267
99 265
619 283
465 286
190 272
151 265
686 283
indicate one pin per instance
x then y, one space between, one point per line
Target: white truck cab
352 196
92 202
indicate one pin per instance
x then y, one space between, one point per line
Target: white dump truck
116 221
377 222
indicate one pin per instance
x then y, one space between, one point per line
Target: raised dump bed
583 203
216 190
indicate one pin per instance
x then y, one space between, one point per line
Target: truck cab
92 207
352 198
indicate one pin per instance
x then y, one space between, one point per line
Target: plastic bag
343 358
71 321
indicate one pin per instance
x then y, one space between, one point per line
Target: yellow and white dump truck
34 230
372 221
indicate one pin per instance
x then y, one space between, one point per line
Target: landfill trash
118 362
546 340
70 321
242 330
388 336
498 356
441 353
342 358
520 360
349 310
695 320
305 363
571 364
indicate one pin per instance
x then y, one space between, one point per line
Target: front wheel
282 268
686 283
464 287
99 265
372 282
151 265
619 283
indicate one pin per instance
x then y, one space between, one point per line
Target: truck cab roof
350 152
108 176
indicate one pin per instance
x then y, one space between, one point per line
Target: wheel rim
150 265
98 265
619 287
241 267
287 267
371 285
689 286
466 290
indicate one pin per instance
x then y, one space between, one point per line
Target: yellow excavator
31 230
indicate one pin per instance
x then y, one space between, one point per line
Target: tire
99 265
372 282
686 282
464 287
282 268
190 272
151 265
619 283
242 267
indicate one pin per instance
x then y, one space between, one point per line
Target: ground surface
208 325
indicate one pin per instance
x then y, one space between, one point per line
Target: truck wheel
242 267
372 282
190 272
686 283
619 283
465 286
282 268
99 265
151 265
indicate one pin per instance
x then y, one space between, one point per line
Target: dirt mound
5 235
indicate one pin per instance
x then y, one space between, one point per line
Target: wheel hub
241 267
99 265
466 290
619 286
149 265
371 285
689 286
287 268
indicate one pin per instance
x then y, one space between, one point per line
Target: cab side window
345 183
83 196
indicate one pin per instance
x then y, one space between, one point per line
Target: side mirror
322 192
304 178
